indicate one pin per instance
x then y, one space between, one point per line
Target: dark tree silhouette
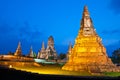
10 53
116 56
62 56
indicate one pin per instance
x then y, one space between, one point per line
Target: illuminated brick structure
42 52
50 50
49 53
88 53
69 51
31 54
18 50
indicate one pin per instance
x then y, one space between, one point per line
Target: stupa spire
85 12
70 48
88 53
31 52
19 45
50 50
86 24
18 50
43 46
42 53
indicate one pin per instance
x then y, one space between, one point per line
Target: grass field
112 74
55 69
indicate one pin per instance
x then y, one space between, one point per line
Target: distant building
49 53
31 54
18 50
17 56
69 51
42 52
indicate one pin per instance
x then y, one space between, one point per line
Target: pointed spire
86 28
19 45
85 8
31 52
69 51
85 12
41 53
18 50
70 48
43 47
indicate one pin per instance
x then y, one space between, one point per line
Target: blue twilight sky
33 21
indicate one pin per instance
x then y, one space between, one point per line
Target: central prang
88 52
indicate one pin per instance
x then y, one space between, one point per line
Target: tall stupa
49 53
50 50
31 54
88 52
18 50
42 53
69 51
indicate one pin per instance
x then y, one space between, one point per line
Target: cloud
107 42
30 32
110 48
27 34
21 31
67 41
111 32
115 6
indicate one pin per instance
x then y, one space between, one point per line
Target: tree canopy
116 56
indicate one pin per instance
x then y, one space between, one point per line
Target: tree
116 56
10 53
34 54
62 56
51 57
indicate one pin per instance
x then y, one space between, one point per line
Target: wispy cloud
107 42
22 32
67 41
30 32
27 34
115 6
111 32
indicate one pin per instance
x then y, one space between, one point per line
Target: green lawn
112 74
